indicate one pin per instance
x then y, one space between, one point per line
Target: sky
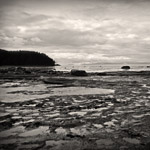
78 31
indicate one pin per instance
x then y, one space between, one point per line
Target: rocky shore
54 110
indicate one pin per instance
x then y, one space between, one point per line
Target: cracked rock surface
81 113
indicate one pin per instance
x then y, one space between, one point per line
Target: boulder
125 67
76 72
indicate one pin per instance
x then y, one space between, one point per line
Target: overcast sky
78 30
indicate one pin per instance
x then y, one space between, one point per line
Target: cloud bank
115 31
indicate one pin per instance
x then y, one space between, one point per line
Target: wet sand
52 110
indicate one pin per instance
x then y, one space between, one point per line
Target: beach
47 109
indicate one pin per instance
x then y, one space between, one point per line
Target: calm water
102 67
95 67
20 91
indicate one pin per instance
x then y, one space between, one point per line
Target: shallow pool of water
39 131
80 91
22 93
39 90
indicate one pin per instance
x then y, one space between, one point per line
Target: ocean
103 67
92 67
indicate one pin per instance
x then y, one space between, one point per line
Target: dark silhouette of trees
24 58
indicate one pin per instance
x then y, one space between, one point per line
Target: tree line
24 58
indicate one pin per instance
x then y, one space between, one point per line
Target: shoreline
108 110
29 73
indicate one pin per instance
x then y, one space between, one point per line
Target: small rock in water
125 67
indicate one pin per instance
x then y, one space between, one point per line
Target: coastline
23 72
51 109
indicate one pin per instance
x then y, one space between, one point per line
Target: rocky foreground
51 110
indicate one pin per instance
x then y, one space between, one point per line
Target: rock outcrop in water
125 67
76 72
24 58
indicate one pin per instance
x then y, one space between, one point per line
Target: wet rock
76 72
53 115
27 72
75 136
32 124
114 100
3 71
132 140
5 121
104 142
39 105
123 148
132 133
63 145
78 113
72 123
109 123
102 74
29 146
8 141
75 107
11 69
93 138
8 146
52 71
147 146
20 69
11 132
98 126
5 124
38 131
145 134
61 130
54 81
125 67
62 113
55 123
16 119
83 131
4 115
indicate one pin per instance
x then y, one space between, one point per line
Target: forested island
24 58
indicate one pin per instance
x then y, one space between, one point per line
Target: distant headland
24 58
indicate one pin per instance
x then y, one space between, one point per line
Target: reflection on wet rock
100 112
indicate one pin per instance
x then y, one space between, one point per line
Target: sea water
97 67
91 67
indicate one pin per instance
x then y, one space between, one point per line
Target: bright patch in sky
22 29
